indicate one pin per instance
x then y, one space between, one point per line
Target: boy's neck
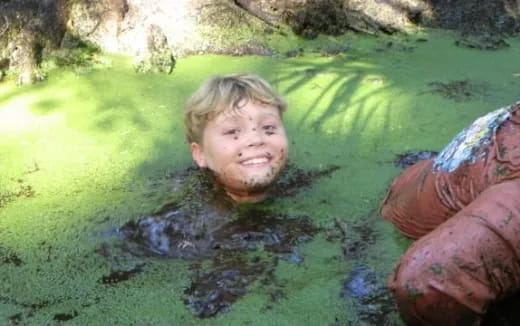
236 195
246 197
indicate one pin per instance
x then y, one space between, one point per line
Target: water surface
92 149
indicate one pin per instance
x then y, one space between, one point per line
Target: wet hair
220 93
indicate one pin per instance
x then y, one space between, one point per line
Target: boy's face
245 148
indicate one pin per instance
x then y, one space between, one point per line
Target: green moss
95 148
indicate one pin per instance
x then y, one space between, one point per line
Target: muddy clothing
465 205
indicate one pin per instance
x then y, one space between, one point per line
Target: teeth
256 161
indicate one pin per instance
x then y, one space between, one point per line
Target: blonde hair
220 93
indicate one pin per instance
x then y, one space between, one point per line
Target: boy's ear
198 155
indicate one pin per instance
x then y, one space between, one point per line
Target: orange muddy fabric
451 275
424 196
465 204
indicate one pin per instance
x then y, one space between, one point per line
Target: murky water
243 241
87 152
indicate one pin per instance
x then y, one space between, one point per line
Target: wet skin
245 148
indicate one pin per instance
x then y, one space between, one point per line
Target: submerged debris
371 297
16 319
214 290
65 317
9 257
23 191
459 90
120 276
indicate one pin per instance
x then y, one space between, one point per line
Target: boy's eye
269 129
233 131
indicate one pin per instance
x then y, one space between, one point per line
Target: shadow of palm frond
342 93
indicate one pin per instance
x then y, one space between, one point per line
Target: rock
158 57
127 26
98 22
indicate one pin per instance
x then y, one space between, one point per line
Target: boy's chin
248 195
249 186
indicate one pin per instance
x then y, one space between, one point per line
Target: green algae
94 146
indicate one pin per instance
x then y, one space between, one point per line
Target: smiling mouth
256 161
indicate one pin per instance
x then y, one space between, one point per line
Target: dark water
234 263
362 286
372 300
244 242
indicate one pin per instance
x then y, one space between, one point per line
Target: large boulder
153 32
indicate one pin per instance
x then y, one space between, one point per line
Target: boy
234 127
464 208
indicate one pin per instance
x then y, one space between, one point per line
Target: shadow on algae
90 153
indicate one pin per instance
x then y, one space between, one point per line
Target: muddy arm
452 275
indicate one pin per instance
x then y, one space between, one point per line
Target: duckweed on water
104 140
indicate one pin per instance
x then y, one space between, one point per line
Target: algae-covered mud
96 149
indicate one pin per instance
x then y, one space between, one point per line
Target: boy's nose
255 138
